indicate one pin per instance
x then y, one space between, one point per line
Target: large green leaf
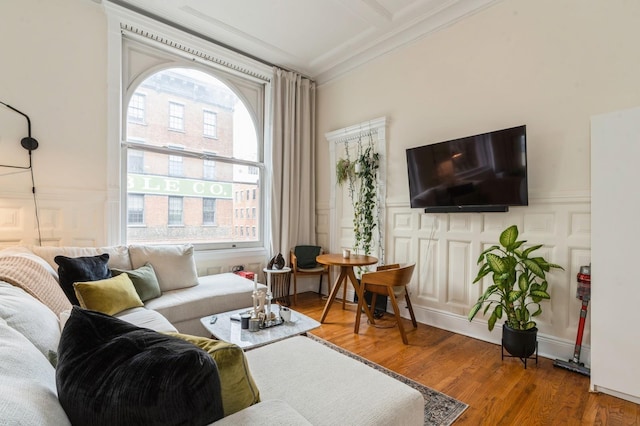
523 282
538 312
533 267
483 272
541 294
492 320
530 249
509 236
513 295
529 325
481 257
496 263
474 310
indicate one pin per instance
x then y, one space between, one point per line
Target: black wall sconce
27 142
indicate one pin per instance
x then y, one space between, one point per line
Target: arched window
192 139
190 144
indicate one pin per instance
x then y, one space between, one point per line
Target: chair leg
396 310
374 297
413 317
356 329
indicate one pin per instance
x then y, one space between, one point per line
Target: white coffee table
230 330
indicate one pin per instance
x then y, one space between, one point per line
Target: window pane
210 120
135 161
176 116
135 112
175 210
175 166
135 209
209 169
209 211
194 189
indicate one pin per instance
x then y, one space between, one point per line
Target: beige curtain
293 196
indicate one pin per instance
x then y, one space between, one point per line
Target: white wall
547 64
54 69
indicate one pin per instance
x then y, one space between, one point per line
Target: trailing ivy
365 206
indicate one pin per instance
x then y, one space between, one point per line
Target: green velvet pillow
144 280
238 389
108 296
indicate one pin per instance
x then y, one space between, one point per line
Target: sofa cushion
174 265
388 401
144 280
146 318
215 293
34 320
118 255
108 296
111 372
81 269
238 389
30 275
27 383
273 412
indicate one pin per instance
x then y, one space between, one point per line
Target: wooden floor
497 392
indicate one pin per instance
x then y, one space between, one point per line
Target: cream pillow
174 265
108 296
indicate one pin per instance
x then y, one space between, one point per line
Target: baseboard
548 346
617 394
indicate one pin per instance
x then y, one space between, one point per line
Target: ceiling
321 39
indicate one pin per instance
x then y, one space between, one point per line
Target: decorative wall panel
445 248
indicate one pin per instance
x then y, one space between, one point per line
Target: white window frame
124 24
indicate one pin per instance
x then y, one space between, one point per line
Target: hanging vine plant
361 176
364 219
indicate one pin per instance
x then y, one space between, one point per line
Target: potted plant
519 285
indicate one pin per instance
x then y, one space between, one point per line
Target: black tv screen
486 172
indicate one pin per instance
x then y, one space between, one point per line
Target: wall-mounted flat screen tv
486 172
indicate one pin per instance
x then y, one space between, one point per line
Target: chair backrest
400 276
306 256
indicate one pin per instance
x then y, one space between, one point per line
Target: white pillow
32 319
118 255
174 265
28 393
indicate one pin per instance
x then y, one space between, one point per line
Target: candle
268 283
255 282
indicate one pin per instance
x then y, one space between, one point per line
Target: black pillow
81 269
111 372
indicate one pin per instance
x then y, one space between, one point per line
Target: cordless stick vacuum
583 293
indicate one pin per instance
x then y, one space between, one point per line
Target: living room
552 66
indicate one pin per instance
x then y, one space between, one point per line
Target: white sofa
185 297
300 381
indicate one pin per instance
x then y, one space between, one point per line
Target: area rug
439 409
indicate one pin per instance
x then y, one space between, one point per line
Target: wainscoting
445 248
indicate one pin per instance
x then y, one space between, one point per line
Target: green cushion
238 389
144 280
108 296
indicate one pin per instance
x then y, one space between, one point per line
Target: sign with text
166 185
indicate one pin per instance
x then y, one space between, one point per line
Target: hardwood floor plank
498 392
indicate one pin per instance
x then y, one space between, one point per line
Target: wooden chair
391 281
303 263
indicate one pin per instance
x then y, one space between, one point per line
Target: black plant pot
519 343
